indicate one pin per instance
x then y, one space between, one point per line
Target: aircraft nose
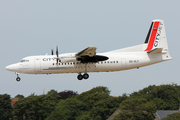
8 67
13 67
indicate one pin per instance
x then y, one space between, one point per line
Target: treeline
95 104
144 103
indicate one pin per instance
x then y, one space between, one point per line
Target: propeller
57 54
52 52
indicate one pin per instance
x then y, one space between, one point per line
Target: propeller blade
51 51
57 55
57 51
57 61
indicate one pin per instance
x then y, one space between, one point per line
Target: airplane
154 50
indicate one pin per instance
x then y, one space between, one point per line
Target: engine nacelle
67 58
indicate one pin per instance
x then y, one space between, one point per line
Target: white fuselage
117 61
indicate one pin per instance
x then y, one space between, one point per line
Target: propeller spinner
52 52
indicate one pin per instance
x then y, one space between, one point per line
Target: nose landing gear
18 78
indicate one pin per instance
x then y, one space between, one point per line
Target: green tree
136 109
104 107
65 94
169 94
91 99
52 92
34 107
5 107
98 103
67 109
124 115
166 97
84 116
99 89
93 95
94 104
32 94
174 116
160 104
19 96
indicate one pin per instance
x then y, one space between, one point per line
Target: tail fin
156 41
156 37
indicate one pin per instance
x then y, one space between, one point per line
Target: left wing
89 55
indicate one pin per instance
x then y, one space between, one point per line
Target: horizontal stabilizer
156 50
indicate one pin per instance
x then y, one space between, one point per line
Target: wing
89 55
89 51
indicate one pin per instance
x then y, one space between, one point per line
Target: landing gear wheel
18 79
85 76
80 77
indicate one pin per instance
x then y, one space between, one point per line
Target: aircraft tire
80 77
85 76
18 79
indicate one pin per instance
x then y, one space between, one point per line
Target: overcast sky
34 27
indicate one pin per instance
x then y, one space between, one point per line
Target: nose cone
8 67
13 67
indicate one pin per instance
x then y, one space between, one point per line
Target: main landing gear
85 76
18 78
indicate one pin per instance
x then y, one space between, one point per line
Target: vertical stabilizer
156 37
156 41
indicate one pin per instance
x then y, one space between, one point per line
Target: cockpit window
24 60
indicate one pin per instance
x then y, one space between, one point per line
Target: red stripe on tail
152 36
